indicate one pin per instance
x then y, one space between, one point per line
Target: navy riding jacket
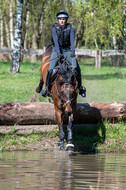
56 37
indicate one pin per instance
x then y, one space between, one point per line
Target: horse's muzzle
68 113
68 110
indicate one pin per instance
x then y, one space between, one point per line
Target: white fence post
98 59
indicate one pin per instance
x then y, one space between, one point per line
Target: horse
64 91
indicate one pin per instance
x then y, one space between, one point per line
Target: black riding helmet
62 14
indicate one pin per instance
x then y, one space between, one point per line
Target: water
58 170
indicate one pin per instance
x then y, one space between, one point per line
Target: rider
63 39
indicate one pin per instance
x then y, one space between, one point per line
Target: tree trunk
1 33
34 58
15 67
11 24
43 113
7 34
25 36
120 60
114 42
124 29
124 32
25 22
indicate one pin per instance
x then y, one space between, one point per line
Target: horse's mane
68 75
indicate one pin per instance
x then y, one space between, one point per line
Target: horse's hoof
70 147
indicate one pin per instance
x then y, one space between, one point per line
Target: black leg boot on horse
39 87
70 145
82 90
44 92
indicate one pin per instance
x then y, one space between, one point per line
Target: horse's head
68 91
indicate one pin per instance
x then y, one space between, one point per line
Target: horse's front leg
61 132
61 136
70 145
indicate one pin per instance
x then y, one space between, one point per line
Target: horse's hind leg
70 145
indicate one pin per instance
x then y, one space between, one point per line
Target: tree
98 23
11 23
16 57
124 29
1 32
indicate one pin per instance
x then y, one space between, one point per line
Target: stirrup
82 91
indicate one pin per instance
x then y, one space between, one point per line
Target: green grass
22 140
21 86
115 137
105 84
6 140
106 137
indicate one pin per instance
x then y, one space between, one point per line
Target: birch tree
16 57
124 29
11 23
1 29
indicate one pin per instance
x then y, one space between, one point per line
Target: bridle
59 93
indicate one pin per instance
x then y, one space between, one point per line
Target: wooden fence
97 54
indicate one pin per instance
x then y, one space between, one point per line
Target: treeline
97 23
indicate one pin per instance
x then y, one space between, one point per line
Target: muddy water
57 170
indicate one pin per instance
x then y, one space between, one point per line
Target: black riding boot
82 90
39 87
44 92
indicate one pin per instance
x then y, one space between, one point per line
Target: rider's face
62 21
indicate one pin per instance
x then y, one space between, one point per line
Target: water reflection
57 170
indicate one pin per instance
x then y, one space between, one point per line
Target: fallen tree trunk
44 113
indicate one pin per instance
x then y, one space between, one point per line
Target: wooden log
43 113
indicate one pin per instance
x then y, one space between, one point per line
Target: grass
105 84
115 138
21 86
22 140
106 137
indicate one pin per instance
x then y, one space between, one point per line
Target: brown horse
64 93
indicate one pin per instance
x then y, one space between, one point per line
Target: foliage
96 22
101 19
